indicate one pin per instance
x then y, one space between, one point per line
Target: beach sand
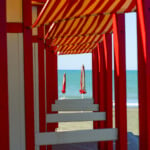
132 120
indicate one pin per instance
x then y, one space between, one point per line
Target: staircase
68 137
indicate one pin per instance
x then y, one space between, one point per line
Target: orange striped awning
76 47
80 27
77 40
77 52
55 10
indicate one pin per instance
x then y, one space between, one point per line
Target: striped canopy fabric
81 26
55 10
77 52
79 31
64 49
76 26
77 40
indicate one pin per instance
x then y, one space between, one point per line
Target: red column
107 40
120 80
28 75
4 125
101 75
101 101
42 110
143 34
93 74
95 80
51 84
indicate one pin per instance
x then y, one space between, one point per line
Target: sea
73 85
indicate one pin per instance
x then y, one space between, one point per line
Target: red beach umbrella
64 84
82 81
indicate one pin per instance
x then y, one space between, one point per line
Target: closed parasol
64 84
82 81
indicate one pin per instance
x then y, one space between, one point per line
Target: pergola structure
32 32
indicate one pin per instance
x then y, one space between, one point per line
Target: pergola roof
77 25
81 27
77 40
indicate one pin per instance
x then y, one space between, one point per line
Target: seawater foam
130 104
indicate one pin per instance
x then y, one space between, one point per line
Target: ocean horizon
73 85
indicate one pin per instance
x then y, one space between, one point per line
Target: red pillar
120 80
42 110
101 76
51 84
101 101
143 34
95 80
28 75
107 40
4 125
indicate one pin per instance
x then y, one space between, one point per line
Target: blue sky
74 62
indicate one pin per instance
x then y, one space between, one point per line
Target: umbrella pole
82 96
64 96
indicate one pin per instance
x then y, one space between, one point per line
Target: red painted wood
51 84
28 75
95 80
93 74
41 67
35 39
107 40
120 80
143 34
39 1
101 76
14 27
101 93
4 125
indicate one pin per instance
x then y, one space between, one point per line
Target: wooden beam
70 102
72 117
28 75
95 80
51 83
4 125
107 40
14 27
101 83
41 74
120 80
76 136
88 107
143 34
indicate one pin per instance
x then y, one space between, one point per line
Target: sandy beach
132 118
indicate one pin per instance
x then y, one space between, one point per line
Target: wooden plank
70 117
68 137
74 101
89 107
16 93
78 103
